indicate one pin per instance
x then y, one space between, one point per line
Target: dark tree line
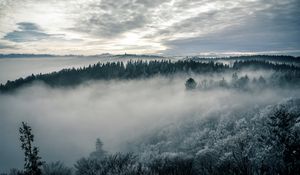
256 64
142 69
115 70
279 80
272 58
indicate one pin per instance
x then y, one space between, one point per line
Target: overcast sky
172 27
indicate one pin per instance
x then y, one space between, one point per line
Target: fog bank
66 122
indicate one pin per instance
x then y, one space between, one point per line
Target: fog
67 121
13 68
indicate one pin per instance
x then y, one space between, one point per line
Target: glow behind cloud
143 26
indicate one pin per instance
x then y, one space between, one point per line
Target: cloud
4 45
27 26
111 18
200 25
270 27
176 26
28 32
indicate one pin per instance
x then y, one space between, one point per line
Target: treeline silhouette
289 79
141 69
273 58
26 55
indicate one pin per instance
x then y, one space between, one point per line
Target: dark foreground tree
190 84
33 163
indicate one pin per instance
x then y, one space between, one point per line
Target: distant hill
25 55
97 55
138 56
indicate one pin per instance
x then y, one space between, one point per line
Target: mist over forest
159 116
149 87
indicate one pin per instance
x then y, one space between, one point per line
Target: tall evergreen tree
33 163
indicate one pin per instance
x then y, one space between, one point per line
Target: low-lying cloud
67 121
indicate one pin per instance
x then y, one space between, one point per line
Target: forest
214 118
259 142
270 58
286 75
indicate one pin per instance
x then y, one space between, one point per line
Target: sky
167 27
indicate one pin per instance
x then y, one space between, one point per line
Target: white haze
66 122
13 68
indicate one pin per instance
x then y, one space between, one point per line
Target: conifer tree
33 163
190 84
